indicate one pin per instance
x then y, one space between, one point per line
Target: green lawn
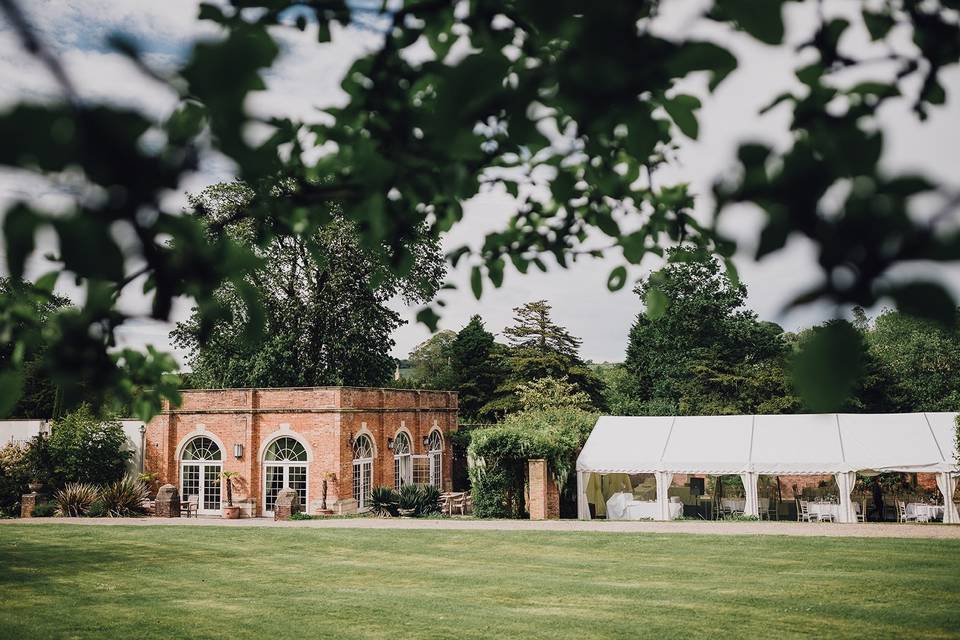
61 581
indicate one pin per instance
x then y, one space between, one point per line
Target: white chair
861 508
823 516
803 512
902 515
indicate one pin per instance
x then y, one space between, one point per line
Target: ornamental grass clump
125 497
75 499
383 502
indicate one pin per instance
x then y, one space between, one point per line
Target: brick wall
322 418
543 496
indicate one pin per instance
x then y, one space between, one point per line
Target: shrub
86 448
45 510
14 477
74 500
428 500
300 515
383 502
408 498
97 510
124 497
500 455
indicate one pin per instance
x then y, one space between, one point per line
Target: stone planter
406 513
231 513
325 512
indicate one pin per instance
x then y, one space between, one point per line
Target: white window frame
402 460
362 470
204 467
435 452
285 467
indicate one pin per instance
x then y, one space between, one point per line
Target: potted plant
408 500
324 509
230 512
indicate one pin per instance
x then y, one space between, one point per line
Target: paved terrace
867 530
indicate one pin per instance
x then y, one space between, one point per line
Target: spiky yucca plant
383 502
428 500
124 497
75 498
408 498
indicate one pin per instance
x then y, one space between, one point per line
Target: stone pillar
27 502
288 503
168 502
544 495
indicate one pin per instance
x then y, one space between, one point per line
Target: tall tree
324 298
923 357
540 348
478 369
432 361
697 349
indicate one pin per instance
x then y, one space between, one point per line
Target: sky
309 74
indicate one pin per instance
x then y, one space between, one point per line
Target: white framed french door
281 476
362 482
201 479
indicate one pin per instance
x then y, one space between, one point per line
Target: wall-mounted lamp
426 440
390 443
238 451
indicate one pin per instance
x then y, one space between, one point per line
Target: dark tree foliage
703 352
922 356
416 138
323 297
39 395
540 348
85 447
477 367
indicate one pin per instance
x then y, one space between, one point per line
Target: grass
62 581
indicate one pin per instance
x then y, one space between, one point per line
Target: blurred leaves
414 140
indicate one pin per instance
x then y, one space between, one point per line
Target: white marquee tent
749 446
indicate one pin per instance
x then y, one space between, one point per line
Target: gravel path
871 530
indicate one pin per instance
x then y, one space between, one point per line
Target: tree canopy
568 107
702 351
323 297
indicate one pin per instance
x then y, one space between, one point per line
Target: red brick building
355 438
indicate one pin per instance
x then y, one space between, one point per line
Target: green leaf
926 300
19 227
762 19
87 248
878 24
702 56
657 303
828 365
495 270
211 12
11 388
428 317
681 109
476 281
617 278
186 122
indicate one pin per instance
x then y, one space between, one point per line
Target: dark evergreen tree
476 363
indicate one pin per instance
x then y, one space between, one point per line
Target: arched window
402 461
200 467
284 465
362 471
435 452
